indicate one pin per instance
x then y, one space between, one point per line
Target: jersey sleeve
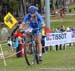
40 18
25 19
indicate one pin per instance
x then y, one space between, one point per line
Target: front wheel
30 54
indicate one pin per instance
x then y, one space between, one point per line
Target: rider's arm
24 21
41 20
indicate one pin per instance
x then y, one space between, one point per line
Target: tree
8 6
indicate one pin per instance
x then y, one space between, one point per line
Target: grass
67 21
71 6
65 17
51 59
58 24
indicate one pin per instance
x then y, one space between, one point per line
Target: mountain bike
30 49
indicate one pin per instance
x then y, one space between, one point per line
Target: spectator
61 12
57 31
73 30
45 32
18 44
9 42
16 35
62 29
68 29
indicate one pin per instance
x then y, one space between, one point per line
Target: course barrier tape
3 56
6 57
12 54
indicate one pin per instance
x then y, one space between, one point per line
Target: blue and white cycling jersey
34 24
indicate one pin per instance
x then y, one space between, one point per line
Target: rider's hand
28 30
43 25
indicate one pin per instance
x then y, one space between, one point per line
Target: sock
40 54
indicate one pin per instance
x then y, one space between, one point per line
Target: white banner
53 39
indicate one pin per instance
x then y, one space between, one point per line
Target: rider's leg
38 39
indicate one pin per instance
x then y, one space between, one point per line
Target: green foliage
11 4
55 25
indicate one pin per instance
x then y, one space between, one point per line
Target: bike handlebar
31 29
